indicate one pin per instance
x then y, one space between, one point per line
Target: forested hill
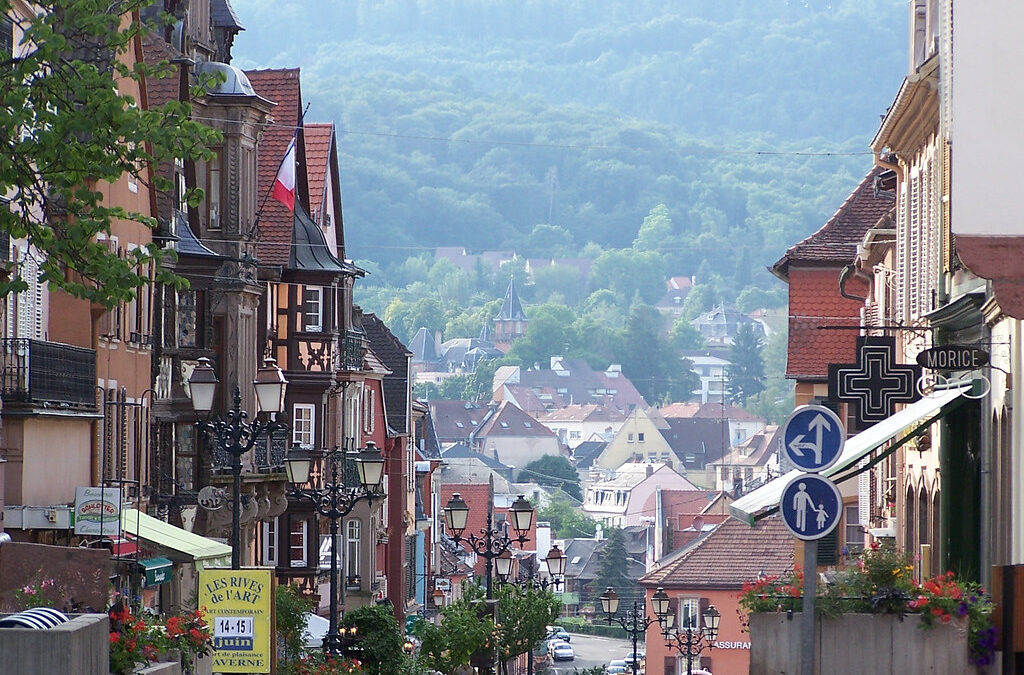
469 122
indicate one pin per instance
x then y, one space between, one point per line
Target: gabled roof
586 412
631 474
571 381
586 452
704 439
390 350
317 138
711 410
727 557
423 347
836 241
578 553
511 308
429 447
456 419
275 221
508 420
458 451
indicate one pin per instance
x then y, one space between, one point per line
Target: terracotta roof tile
158 92
732 554
276 221
836 241
317 139
815 305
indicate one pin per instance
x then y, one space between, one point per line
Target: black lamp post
492 543
234 434
635 621
555 562
334 501
691 639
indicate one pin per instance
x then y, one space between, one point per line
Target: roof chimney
650 469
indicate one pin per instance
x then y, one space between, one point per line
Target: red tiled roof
732 554
836 241
586 412
317 138
276 221
709 410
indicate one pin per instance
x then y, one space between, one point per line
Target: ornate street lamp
334 501
492 542
235 435
635 621
692 638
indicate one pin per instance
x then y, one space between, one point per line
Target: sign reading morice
953 357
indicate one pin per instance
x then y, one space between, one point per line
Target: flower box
855 644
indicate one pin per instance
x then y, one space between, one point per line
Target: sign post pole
810 589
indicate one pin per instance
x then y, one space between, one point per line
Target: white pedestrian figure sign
811 505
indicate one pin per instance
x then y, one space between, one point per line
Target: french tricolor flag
284 184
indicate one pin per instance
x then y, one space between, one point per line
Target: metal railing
39 372
351 348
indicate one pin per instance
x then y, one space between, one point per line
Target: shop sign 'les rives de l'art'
876 382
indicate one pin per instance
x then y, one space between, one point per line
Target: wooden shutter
828 548
947 226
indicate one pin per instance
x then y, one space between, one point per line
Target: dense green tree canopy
567 521
745 373
69 130
554 471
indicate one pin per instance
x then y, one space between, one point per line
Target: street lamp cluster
334 501
235 435
690 639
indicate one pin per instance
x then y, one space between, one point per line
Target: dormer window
527 425
504 425
459 424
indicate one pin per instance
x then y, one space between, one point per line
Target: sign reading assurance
238 603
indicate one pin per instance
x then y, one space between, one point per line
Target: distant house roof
836 241
423 347
710 410
462 451
586 412
456 420
756 450
573 381
586 452
473 470
429 447
578 553
508 420
631 474
727 557
673 298
465 353
395 356
696 441
511 307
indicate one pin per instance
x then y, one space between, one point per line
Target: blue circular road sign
813 437
811 506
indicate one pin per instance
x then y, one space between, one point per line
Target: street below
592 651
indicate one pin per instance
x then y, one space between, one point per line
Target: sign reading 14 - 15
812 438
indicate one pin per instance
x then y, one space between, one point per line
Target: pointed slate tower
511 320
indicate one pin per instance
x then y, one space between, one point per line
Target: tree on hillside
69 131
684 336
655 231
612 570
745 371
567 519
628 272
548 333
650 363
554 471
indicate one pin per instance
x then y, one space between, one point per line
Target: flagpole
270 190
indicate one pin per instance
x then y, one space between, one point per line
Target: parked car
551 643
617 664
559 632
639 658
616 670
562 652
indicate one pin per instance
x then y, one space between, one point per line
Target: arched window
909 538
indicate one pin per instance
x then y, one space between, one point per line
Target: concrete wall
854 644
78 647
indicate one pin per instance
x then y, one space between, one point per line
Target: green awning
157 570
203 551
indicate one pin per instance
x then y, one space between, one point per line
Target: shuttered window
6 37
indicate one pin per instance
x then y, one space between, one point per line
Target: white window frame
353 543
270 542
853 531
368 412
303 425
313 319
303 533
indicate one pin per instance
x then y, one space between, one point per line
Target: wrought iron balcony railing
351 356
37 372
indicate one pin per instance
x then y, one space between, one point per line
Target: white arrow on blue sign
813 437
811 506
